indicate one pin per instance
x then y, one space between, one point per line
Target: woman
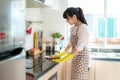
79 43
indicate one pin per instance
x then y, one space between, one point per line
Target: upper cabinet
38 3
51 4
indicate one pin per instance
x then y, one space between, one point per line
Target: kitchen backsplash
53 22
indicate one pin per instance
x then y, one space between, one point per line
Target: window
103 19
111 29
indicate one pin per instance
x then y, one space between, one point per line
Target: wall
52 22
34 15
52 19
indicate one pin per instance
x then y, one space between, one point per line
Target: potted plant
56 35
57 40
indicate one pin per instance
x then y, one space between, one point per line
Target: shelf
30 22
36 4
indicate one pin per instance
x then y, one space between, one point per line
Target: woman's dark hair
69 12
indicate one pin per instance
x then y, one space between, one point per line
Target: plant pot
57 47
56 40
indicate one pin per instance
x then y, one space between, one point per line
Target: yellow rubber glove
63 59
55 56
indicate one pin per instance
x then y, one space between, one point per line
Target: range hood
39 1
36 3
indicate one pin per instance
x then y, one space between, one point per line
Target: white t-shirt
83 36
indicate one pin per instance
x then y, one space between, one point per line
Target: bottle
56 47
53 49
43 46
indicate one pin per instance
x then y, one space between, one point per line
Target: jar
49 47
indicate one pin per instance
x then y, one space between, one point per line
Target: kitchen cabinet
67 71
38 3
91 72
104 70
12 68
107 70
42 4
99 70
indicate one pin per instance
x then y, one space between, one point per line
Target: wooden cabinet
100 70
104 70
107 70
61 73
91 73
67 70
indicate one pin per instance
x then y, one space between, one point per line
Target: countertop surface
105 53
105 56
41 68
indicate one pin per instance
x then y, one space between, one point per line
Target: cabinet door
61 74
91 72
107 70
67 70
13 69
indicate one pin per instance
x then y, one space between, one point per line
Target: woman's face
71 20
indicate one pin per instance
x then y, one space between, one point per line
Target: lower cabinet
107 70
99 70
91 73
104 70
67 70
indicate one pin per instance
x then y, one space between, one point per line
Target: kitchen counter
105 56
105 53
42 67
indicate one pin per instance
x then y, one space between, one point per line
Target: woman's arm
69 44
83 37
75 51
67 47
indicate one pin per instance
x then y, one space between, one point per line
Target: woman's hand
64 58
56 56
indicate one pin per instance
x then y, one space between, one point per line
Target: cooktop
43 66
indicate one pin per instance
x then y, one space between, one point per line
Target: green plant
56 35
